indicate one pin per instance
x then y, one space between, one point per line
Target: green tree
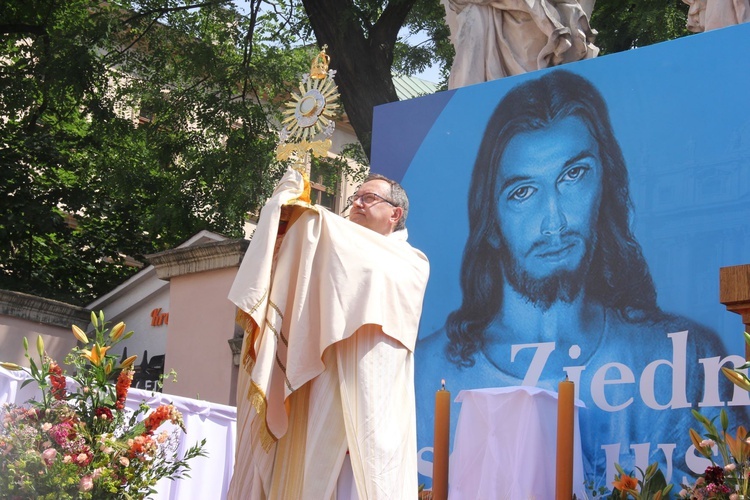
84 182
625 25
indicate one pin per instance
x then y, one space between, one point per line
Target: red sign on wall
159 318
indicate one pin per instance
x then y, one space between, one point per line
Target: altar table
504 446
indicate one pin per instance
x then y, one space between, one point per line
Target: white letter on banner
424 467
543 350
712 375
612 454
679 376
600 380
574 372
696 462
642 452
668 449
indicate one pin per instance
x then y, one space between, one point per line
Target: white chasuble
331 311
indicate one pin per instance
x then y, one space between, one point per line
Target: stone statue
497 38
705 15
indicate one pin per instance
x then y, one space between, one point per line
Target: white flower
86 484
49 455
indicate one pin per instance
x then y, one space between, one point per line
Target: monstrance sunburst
310 113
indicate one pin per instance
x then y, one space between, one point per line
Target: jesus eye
521 193
574 174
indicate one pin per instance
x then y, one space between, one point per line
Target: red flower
140 446
103 413
57 379
158 416
62 432
714 474
123 384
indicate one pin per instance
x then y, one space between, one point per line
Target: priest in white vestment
331 310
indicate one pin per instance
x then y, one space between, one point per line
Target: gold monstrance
308 115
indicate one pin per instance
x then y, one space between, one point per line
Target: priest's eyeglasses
367 199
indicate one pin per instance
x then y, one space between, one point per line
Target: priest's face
549 192
373 209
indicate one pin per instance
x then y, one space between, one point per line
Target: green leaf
26 382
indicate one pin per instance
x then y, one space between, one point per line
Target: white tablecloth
505 442
210 475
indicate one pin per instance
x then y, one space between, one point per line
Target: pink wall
201 321
58 341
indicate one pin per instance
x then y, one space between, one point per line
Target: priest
330 309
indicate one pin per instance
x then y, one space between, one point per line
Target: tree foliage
84 182
625 25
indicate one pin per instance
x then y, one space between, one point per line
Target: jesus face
549 191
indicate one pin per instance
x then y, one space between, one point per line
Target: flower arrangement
729 481
732 480
78 441
651 485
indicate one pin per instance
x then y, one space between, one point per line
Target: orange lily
117 331
128 361
96 354
696 439
739 449
738 379
80 335
626 483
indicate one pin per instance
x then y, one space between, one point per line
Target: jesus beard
562 285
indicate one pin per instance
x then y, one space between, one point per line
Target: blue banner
575 220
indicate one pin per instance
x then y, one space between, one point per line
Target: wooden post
734 293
